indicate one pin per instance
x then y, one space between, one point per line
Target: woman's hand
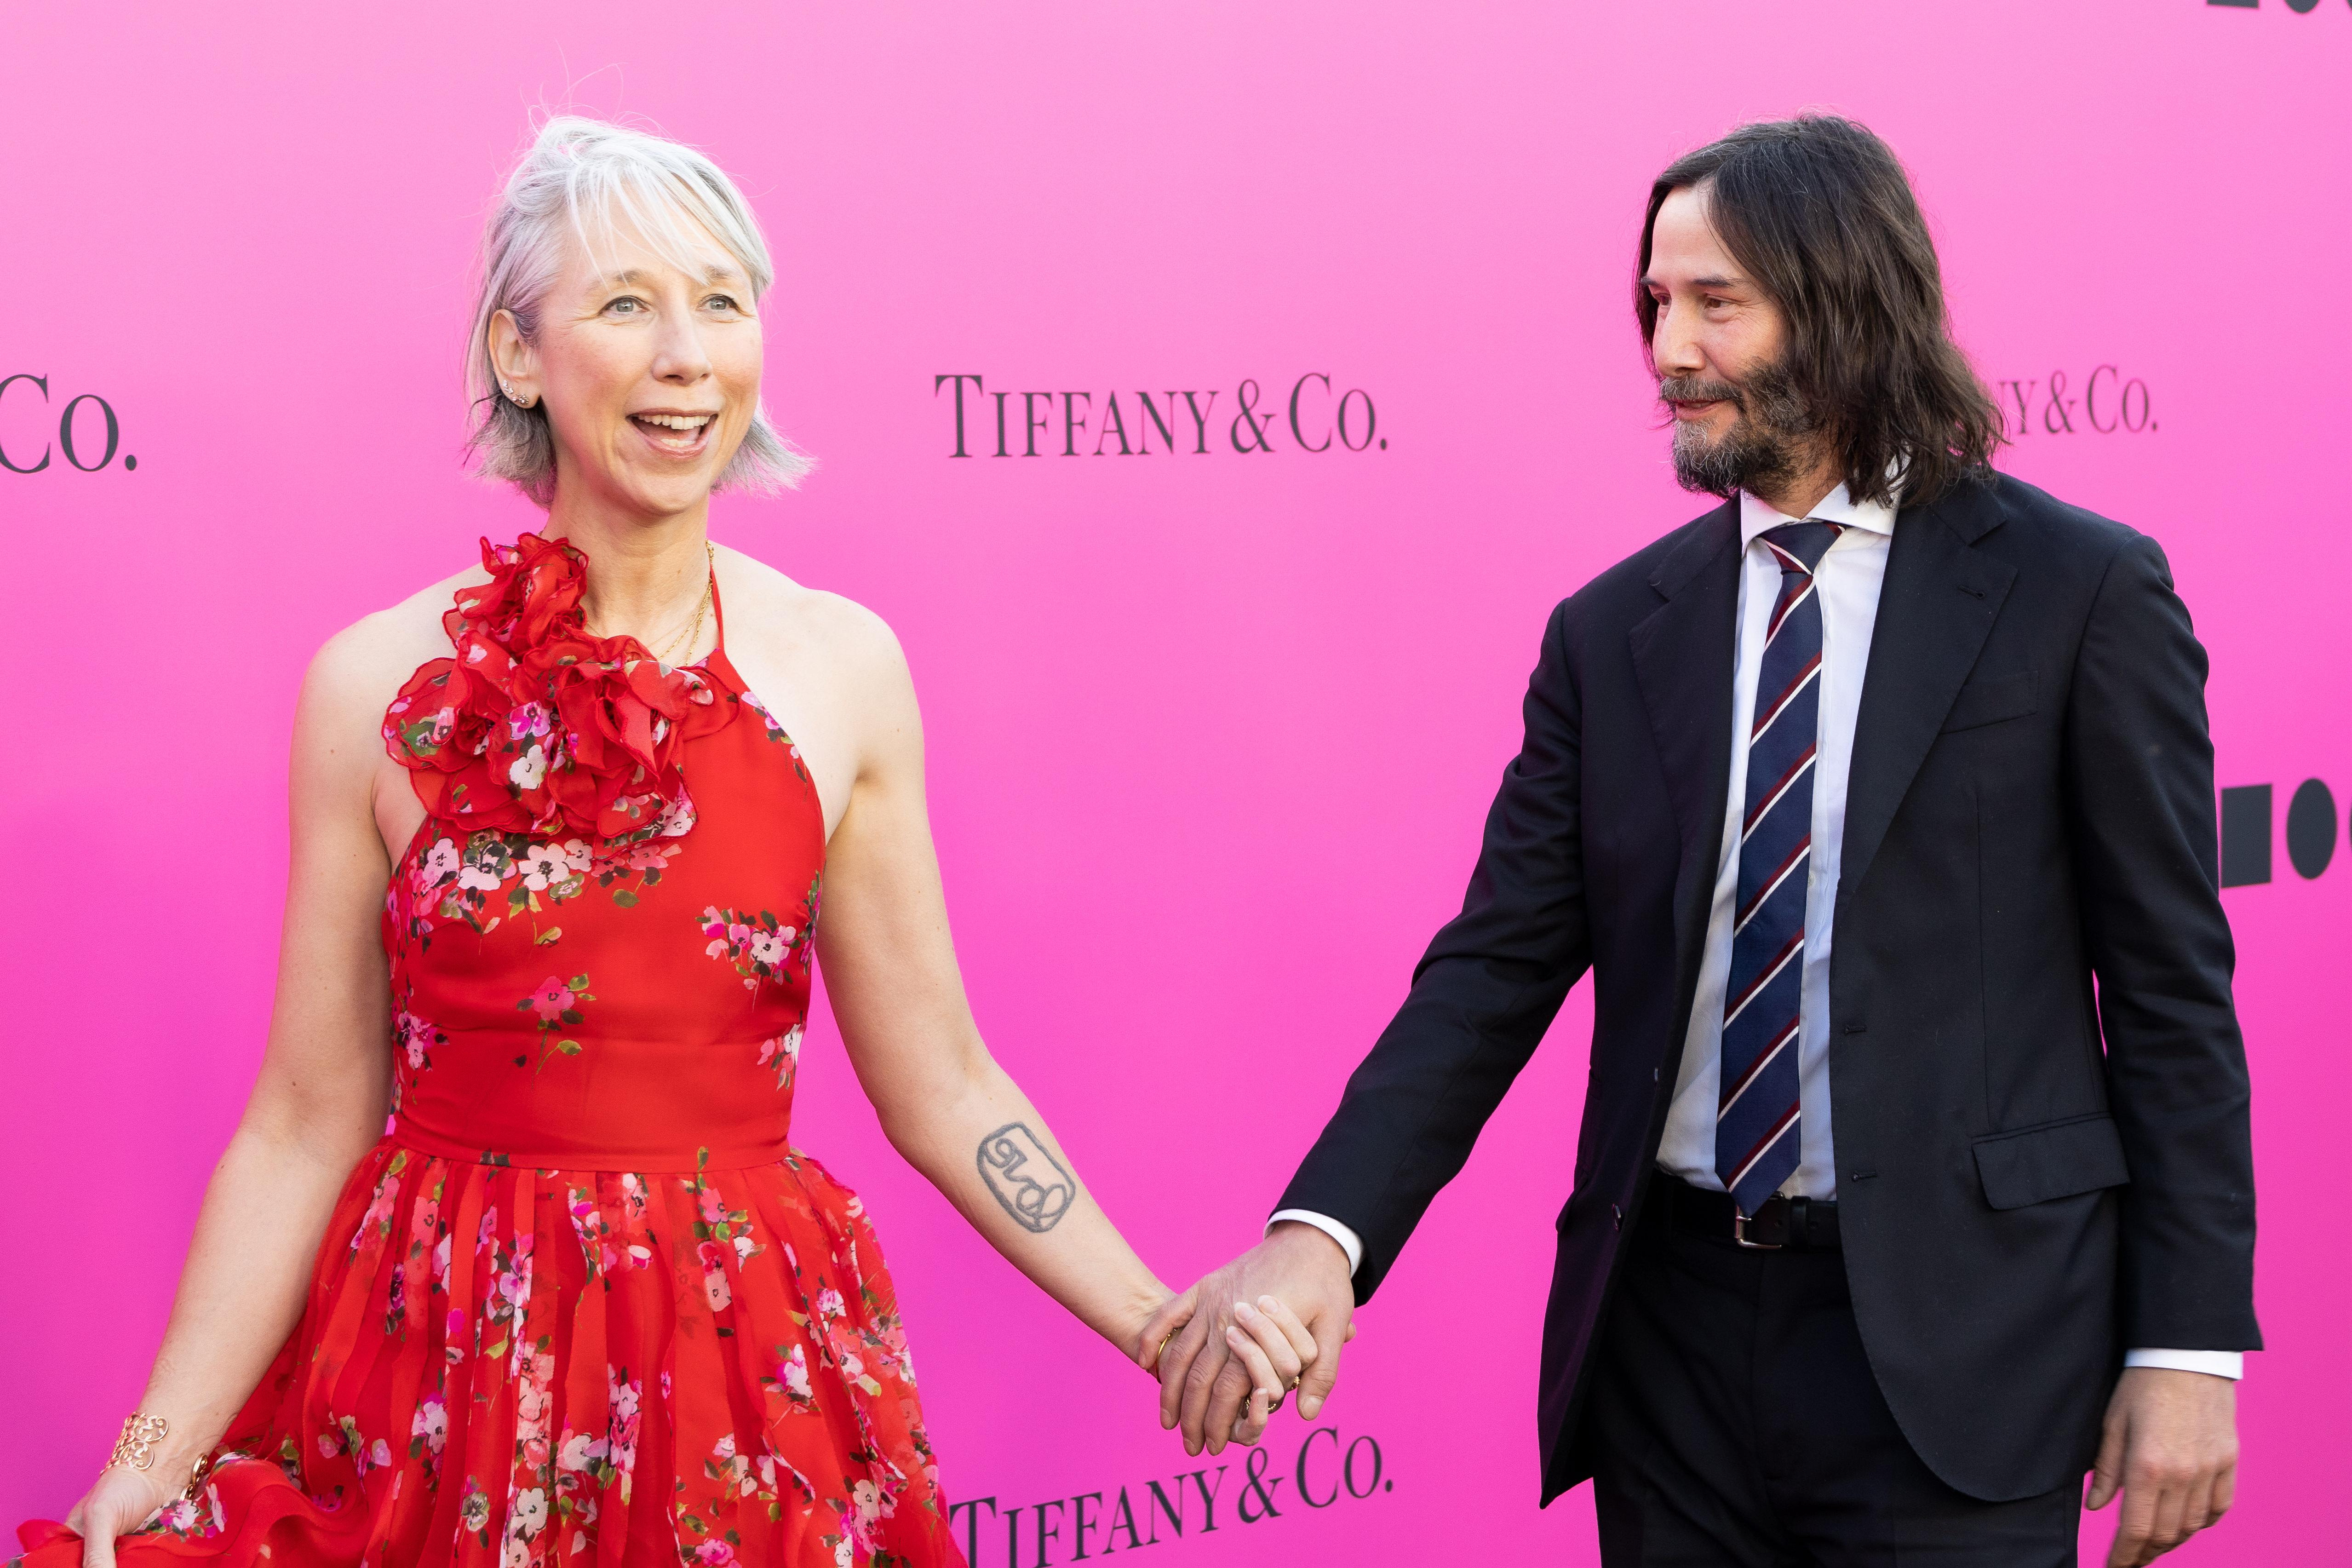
1276 1348
121 1501
1156 1306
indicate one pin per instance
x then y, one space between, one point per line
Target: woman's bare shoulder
368 661
806 622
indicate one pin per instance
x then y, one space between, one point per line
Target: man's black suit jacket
2039 1089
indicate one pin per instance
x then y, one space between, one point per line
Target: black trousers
1735 1420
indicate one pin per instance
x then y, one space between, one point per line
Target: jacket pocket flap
1990 702
2054 1162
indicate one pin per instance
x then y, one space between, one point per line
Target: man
1879 801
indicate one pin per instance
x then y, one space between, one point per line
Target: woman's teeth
678 433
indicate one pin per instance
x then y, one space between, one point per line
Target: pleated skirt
562 1367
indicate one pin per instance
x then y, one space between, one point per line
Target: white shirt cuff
2230 1364
1349 1242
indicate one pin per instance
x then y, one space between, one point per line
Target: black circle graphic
128 462
2311 828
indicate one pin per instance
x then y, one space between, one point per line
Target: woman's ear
517 364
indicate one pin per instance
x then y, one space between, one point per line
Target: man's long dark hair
1819 213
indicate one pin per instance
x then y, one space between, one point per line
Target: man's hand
2171 1447
1203 1384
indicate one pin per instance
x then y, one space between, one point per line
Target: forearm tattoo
1029 1182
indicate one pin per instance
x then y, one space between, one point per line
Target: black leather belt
1795 1225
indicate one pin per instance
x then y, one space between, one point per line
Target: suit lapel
1936 607
1684 653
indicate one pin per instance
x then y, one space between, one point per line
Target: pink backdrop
1212 733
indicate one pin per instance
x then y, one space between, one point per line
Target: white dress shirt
1847 580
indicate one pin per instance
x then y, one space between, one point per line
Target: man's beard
1773 440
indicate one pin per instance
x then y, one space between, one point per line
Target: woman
577 1301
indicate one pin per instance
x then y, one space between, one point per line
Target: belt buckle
1772 1215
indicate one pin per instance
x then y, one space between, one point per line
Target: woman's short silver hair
579 181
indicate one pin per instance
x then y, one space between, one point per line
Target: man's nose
1674 346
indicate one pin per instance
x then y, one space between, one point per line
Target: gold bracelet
136 1447
135 1450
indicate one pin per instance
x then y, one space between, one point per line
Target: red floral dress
584 1304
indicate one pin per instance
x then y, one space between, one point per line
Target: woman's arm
317 1107
890 971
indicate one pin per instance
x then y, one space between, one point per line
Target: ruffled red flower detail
534 725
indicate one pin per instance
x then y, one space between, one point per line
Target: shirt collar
1756 516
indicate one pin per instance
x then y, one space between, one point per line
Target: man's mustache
1692 389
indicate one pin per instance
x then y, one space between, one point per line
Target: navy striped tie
1758 1132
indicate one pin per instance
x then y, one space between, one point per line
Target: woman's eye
627 306
722 302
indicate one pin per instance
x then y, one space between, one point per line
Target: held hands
1224 1363
2170 1448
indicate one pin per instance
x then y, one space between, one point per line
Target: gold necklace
673 647
690 633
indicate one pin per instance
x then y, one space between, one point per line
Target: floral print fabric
533 723
584 1304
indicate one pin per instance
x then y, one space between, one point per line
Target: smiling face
1716 349
649 372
